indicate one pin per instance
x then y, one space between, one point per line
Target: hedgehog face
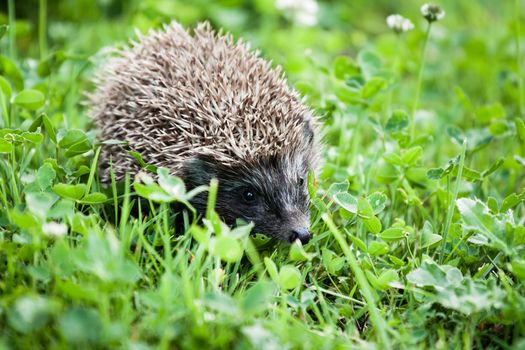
271 193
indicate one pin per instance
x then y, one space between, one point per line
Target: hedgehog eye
301 182
249 196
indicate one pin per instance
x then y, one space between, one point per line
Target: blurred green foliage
418 211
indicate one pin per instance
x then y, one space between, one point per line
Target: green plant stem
419 83
394 78
42 19
518 59
92 171
165 236
126 208
452 204
14 183
212 197
3 197
378 322
12 28
113 190
5 112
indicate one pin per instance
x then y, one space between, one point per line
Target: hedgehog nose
301 234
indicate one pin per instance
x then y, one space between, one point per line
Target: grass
418 212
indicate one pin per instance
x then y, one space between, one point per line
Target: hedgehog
205 106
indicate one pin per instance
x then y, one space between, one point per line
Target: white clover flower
54 229
432 12
303 12
399 23
27 178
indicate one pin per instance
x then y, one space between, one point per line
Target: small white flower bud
303 12
432 12
54 229
399 23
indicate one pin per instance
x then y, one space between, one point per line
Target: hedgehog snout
302 234
297 228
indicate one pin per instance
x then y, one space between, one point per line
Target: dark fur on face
271 193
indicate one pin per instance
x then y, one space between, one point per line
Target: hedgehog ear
309 133
308 128
199 171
